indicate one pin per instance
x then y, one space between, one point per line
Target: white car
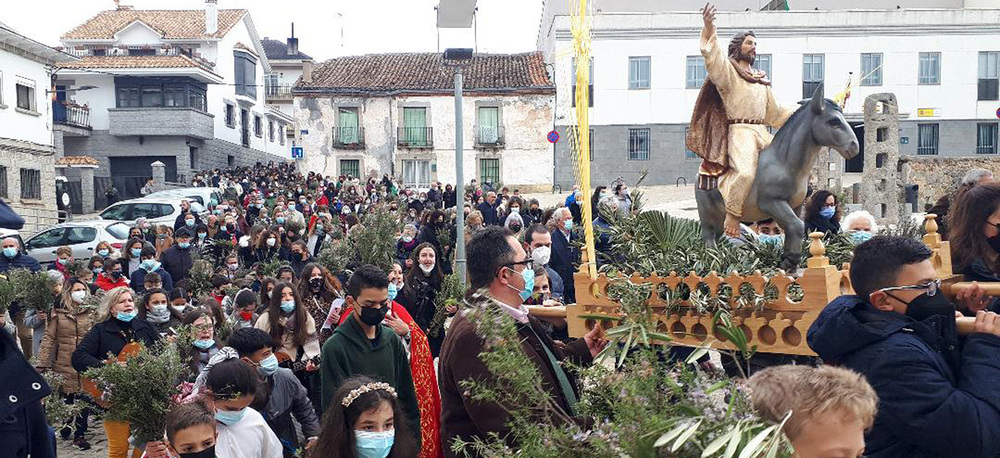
207 197
82 237
162 210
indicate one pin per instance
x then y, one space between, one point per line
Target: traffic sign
553 137
998 112
297 152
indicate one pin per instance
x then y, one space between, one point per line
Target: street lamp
459 58
86 87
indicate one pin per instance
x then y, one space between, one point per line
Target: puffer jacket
64 331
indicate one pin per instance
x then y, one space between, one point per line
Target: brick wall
938 176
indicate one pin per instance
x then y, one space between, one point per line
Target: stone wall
37 213
938 176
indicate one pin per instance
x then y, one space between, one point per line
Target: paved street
677 200
95 435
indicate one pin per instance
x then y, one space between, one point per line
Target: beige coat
310 349
62 334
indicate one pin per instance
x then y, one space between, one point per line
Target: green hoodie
349 352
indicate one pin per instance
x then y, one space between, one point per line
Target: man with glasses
502 273
363 345
937 394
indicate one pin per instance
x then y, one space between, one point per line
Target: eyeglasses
527 262
932 287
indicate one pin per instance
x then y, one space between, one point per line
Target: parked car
82 237
156 210
207 197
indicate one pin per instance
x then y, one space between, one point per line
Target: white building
27 155
183 87
395 114
287 65
646 72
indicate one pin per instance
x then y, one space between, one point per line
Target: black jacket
177 262
21 261
818 223
23 428
179 222
489 212
563 261
450 199
109 336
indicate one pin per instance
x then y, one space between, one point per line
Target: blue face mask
771 239
10 252
103 253
202 235
568 224
827 212
288 306
374 445
63 261
393 291
136 252
189 222
230 418
280 220
204 344
860 237
150 265
127 316
528 275
183 245
269 365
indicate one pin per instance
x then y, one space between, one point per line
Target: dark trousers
311 382
80 422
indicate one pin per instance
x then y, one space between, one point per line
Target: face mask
207 453
202 235
126 316
160 309
204 344
568 225
541 255
230 418
280 220
316 283
407 239
136 252
63 262
234 266
374 445
78 296
245 315
427 269
373 316
515 210
771 239
149 265
827 212
184 245
179 308
189 222
393 291
271 242
103 253
860 237
288 306
515 228
97 270
269 365
604 194
10 252
115 275
993 241
224 228
924 306
528 275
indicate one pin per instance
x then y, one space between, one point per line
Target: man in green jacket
362 345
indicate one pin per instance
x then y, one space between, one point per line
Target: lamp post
459 58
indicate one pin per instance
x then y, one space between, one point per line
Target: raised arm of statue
777 113
717 64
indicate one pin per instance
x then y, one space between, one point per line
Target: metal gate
75 190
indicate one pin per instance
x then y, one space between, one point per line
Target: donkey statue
783 174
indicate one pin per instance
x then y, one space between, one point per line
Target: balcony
415 137
161 121
489 137
349 137
70 114
278 92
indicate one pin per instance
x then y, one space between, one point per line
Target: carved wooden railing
779 326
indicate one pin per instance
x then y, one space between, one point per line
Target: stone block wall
880 184
938 176
37 213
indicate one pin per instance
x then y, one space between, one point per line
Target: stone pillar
159 176
880 183
87 189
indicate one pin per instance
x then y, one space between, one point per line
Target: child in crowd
365 420
190 431
245 313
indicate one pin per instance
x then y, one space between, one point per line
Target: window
47 239
871 69
927 139
25 95
230 115
281 134
688 154
488 119
417 174
245 73
271 84
3 181
31 184
197 99
695 72
812 74
590 82
763 64
989 75
81 235
489 170
638 72
930 68
986 138
146 210
152 96
347 125
638 144
258 126
147 51
270 131
174 95
415 126
128 97
350 167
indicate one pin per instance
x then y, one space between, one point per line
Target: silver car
82 237
162 210
207 197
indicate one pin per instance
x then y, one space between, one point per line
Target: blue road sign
297 152
553 136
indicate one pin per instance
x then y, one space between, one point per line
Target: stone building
27 153
394 114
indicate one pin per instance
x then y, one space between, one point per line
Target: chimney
307 71
293 43
211 16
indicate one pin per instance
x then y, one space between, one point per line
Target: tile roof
77 160
389 73
169 23
178 61
278 50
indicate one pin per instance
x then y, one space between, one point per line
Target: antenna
293 30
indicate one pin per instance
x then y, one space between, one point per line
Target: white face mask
179 308
271 241
427 269
78 296
541 255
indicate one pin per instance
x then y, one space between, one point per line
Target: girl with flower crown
365 421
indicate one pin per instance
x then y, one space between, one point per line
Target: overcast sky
370 26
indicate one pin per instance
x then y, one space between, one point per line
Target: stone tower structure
880 184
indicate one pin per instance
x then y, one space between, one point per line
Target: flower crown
366 388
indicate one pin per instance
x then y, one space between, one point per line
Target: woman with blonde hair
117 325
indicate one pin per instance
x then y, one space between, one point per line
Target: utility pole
458 58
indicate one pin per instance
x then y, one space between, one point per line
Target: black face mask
207 453
316 283
994 243
373 316
116 274
924 306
